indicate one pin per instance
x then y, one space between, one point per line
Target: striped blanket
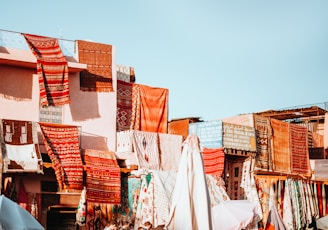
52 69
103 178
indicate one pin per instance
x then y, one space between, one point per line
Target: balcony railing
16 40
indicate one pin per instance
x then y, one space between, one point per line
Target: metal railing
12 39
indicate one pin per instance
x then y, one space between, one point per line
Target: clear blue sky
217 58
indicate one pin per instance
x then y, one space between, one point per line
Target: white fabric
190 207
233 214
23 155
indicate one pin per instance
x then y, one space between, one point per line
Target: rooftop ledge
25 58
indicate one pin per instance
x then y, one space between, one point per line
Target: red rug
124 105
52 69
98 57
281 146
103 178
62 144
213 159
153 109
300 162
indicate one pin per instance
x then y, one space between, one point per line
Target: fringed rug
153 109
263 140
103 177
52 69
124 105
98 57
213 159
300 162
62 144
281 146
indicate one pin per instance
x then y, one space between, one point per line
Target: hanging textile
81 211
124 105
263 134
274 220
281 146
287 216
98 57
190 206
153 109
169 151
136 108
103 180
249 185
21 147
52 69
62 144
98 215
299 151
146 146
213 159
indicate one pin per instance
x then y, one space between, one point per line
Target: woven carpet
213 159
263 139
154 109
103 177
98 57
146 147
62 144
124 105
281 146
300 162
52 69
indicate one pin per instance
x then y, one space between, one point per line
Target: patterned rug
146 147
263 140
300 161
124 105
98 57
62 144
213 159
281 146
103 178
52 69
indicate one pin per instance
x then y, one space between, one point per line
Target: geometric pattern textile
300 161
98 57
62 144
52 70
146 147
124 105
103 180
263 142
